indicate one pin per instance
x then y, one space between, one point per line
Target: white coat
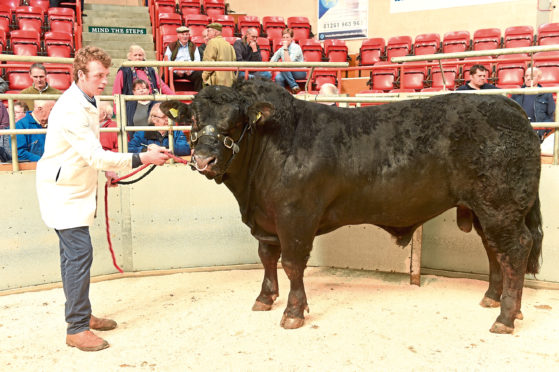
67 172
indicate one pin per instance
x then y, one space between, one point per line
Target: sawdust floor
358 321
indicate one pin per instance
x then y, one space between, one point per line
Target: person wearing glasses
144 140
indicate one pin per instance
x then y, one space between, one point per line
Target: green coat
33 90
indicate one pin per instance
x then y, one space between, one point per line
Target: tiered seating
456 41
398 46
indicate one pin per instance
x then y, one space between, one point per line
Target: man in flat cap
185 50
218 49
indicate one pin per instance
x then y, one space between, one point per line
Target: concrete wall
175 218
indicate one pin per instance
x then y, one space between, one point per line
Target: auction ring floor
358 320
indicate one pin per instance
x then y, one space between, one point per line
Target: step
114 8
124 45
131 20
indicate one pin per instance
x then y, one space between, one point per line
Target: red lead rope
115 181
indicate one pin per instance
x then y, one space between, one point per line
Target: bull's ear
176 110
260 112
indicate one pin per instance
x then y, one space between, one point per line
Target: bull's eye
193 136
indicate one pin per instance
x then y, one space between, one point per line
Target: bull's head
221 121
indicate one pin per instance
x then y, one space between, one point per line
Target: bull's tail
534 224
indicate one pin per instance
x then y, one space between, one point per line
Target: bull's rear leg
511 245
269 255
492 297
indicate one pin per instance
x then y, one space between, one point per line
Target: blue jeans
76 256
289 77
261 74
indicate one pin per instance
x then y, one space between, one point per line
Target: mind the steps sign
117 30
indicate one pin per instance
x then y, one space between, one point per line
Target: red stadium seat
273 26
5 19
61 19
248 21
456 41
548 63
548 34
426 44
18 77
518 36
450 75
43 4
510 73
197 40
3 41
371 51
335 50
29 18
214 8
165 6
487 38
365 93
398 46
231 39
25 43
321 77
432 89
265 49
190 7
301 27
58 44
196 23
12 4
228 24
413 76
382 78
402 90
169 19
59 76
312 50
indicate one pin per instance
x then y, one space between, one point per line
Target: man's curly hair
88 54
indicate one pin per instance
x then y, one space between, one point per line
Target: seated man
142 140
109 140
247 50
185 50
38 74
539 107
30 147
5 151
478 79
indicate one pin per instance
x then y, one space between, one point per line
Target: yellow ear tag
258 117
174 112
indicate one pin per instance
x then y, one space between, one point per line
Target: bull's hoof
260 306
519 315
489 302
501 328
291 323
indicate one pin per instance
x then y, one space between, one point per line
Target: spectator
137 112
126 75
328 90
247 50
30 147
20 108
539 107
185 50
109 140
218 49
3 86
202 47
141 140
38 74
289 52
5 149
478 79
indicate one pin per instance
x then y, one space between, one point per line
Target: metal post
15 158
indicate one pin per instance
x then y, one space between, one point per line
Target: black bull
299 169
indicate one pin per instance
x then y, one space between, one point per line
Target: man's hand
110 177
253 45
154 155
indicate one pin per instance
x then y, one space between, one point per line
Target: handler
67 188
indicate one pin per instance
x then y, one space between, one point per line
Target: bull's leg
512 244
269 255
294 267
492 297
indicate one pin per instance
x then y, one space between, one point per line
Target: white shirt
183 54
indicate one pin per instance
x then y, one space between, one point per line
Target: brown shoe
86 341
101 324
295 90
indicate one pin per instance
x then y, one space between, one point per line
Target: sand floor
358 321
